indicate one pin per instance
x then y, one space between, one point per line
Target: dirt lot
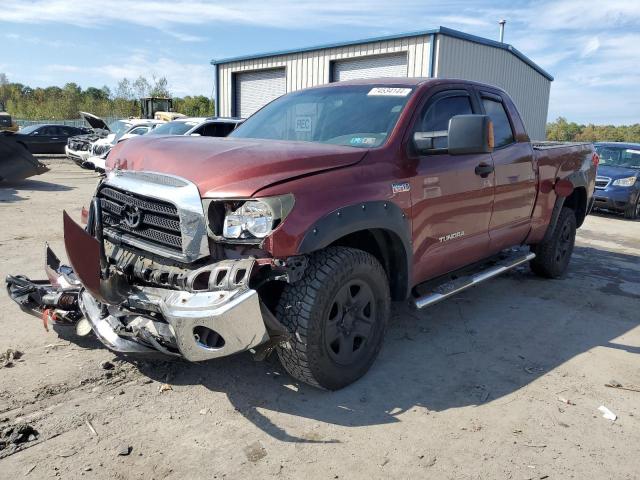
503 381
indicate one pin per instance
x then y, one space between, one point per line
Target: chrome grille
99 149
153 221
602 182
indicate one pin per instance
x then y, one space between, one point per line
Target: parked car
617 184
79 148
123 130
46 138
205 127
297 231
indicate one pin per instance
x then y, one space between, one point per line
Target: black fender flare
579 180
376 216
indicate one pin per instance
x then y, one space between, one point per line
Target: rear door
64 134
515 178
40 139
451 203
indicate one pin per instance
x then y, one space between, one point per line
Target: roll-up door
370 67
253 90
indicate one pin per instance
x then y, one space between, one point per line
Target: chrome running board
454 287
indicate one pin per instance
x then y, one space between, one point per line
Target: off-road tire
632 211
554 253
305 308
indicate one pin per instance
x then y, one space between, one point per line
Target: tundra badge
451 236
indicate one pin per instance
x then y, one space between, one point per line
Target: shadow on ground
468 351
9 191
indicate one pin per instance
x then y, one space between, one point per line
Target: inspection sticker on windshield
389 92
303 124
363 140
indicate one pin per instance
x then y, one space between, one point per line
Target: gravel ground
502 381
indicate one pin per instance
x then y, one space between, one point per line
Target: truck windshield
173 128
619 156
357 116
119 127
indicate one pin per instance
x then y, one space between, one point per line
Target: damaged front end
145 276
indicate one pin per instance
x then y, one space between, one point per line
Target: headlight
246 220
253 218
625 182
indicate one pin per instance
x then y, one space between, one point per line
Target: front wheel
632 211
554 253
337 315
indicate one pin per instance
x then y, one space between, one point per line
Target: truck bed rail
549 144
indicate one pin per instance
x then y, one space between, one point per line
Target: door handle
484 170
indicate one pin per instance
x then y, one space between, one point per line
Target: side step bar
454 287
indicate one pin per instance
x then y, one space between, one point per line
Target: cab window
502 132
437 113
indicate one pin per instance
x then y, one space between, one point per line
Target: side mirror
424 142
470 134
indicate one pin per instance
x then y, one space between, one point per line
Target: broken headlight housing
246 220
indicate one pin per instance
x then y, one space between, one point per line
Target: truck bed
546 145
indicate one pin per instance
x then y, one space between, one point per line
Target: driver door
452 203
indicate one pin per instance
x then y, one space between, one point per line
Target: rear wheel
632 211
554 253
337 314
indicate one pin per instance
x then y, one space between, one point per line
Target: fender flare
375 216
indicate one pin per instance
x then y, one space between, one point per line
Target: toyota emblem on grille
132 216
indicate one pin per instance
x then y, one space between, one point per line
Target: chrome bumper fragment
234 316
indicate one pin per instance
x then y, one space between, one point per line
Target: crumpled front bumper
135 318
78 156
235 317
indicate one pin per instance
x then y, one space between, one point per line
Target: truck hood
617 172
229 167
95 122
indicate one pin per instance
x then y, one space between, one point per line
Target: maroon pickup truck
297 231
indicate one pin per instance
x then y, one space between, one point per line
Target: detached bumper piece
54 300
220 318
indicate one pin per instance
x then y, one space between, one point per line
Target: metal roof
440 30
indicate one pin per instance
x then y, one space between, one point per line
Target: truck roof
408 82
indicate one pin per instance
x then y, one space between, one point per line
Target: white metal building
245 84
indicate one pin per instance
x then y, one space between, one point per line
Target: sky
591 47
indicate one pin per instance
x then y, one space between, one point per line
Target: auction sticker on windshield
389 92
303 124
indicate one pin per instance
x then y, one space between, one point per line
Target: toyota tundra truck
297 231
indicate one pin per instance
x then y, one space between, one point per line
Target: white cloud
590 46
183 78
593 44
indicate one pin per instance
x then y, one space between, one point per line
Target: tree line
62 103
563 131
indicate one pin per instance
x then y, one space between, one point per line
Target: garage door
254 90
370 67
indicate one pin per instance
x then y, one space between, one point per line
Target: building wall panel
308 69
457 58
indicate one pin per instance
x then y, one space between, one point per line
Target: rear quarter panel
573 162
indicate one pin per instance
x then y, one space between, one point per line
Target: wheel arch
577 202
379 228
